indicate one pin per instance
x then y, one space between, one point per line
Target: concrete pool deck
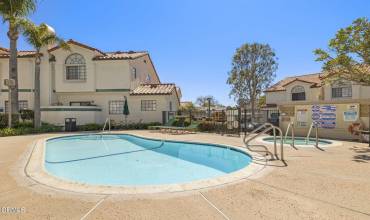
330 184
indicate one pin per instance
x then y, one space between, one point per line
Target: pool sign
351 114
325 115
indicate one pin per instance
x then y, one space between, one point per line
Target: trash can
70 124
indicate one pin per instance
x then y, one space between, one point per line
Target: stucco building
91 85
306 99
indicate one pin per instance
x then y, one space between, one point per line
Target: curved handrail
254 137
257 129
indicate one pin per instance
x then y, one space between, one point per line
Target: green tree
253 70
187 107
14 12
39 37
348 55
203 101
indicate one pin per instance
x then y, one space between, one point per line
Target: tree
348 55
253 70
189 106
203 101
13 12
39 37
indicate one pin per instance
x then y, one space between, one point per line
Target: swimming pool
299 141
123 159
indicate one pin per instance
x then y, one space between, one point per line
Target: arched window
341 90
75 67
298 93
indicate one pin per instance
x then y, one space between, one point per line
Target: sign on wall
302 117
324 115
351 114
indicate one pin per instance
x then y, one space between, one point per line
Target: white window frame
340 86
21 105
298 90
81 68
117 110
148 105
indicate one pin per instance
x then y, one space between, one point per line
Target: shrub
211 126
90 127
135 126
181 123
27 128
26 114
7 132
4 119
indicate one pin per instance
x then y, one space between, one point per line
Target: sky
191 42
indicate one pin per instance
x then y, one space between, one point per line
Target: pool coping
333 143
35 170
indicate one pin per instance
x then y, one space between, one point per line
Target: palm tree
39 37
14 11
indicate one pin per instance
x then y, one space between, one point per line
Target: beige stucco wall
144 66
25 80
63 85
339 132
106 80
53 116
134 102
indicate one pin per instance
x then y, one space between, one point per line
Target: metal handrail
107 121
274 128
259 134
313 125
291 126
257 129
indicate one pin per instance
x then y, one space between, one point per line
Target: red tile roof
313 79
154 89
70 41
4 53
121 55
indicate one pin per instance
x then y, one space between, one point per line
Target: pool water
298 141
131 160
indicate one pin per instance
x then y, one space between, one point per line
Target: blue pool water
299 141
131 160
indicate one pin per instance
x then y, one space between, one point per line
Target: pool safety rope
105 155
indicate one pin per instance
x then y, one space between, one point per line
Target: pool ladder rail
107 122
313 125
267 127
292 136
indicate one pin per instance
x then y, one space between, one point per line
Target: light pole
10 83
209 107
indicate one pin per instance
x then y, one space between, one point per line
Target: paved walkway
334 184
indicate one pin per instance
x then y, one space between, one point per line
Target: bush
90 127
211 126
25 128
7 132
135 126
181 123
23 125
26 114
4 119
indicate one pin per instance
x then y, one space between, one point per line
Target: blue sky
192 42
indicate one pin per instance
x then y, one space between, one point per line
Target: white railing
313 125
268 127
107 122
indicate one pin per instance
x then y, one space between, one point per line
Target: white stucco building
90 85
306 99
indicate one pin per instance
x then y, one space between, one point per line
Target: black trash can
70 124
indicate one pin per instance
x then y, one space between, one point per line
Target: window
134 76
170 106
75 67
148 105
80 103
22 104
341 90
116 107
298 93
